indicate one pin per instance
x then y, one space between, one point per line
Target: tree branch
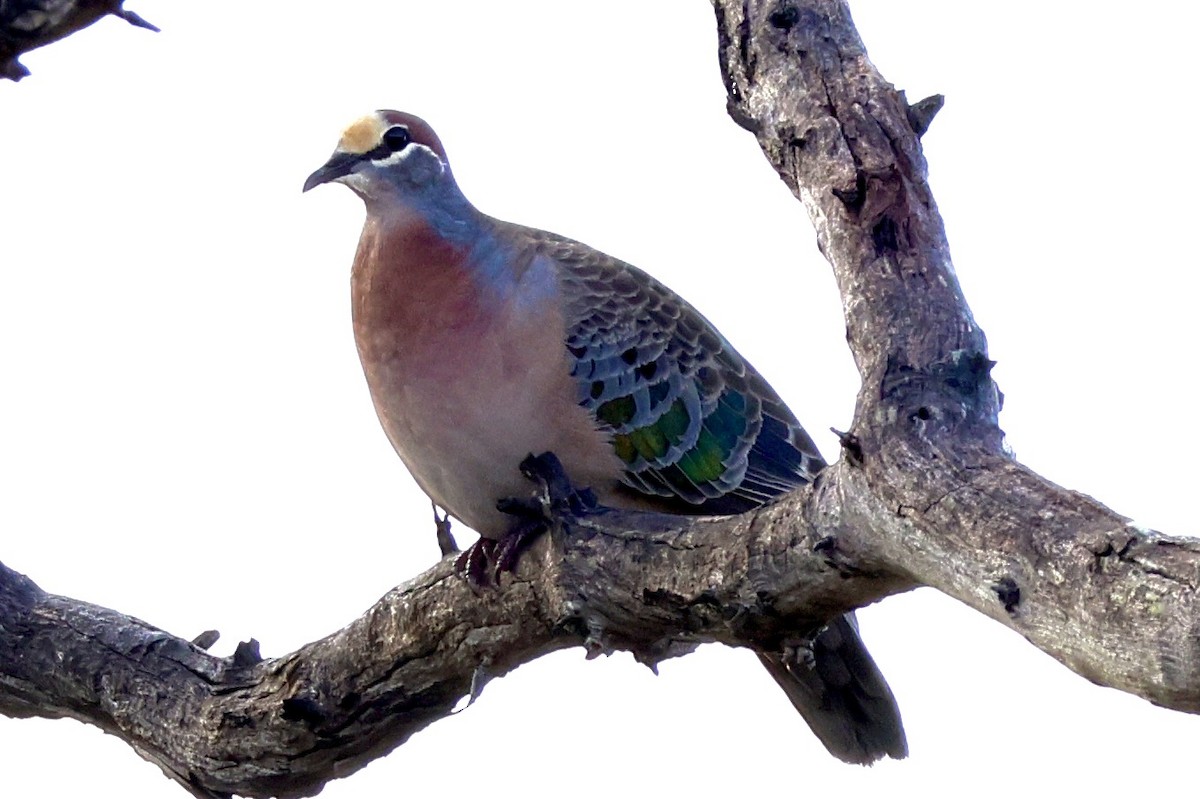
931 492
283 727
29 24
925 494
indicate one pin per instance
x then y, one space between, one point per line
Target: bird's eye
396 139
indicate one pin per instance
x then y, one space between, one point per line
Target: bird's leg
540 513
445 538
485 560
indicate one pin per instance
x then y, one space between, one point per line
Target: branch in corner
29 24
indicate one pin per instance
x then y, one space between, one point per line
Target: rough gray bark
923 495
929 491
29 24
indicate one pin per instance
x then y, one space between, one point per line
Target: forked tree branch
930 491
924 494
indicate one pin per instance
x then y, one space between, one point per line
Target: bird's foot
509 548
556 496
477 563
483 562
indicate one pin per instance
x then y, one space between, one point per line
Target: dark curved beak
338 166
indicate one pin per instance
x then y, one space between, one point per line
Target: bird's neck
440 230
422 285
441 207
432 272
407 275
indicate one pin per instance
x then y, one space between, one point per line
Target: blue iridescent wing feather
690 418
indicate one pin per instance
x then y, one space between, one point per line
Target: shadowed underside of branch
924 494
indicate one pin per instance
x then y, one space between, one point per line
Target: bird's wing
695 424
690 418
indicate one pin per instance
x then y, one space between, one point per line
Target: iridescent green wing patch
689 418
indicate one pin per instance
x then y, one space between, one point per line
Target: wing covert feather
690 418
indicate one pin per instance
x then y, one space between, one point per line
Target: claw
476 563
517 541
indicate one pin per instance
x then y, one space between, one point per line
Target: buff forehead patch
362 135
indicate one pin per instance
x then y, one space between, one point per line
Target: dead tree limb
930 491
925 494
29 24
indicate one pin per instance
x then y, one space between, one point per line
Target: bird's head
386 154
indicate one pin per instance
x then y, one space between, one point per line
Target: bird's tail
843 696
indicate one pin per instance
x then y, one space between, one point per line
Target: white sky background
185 434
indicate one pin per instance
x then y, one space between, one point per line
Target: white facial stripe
367 181
400 155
